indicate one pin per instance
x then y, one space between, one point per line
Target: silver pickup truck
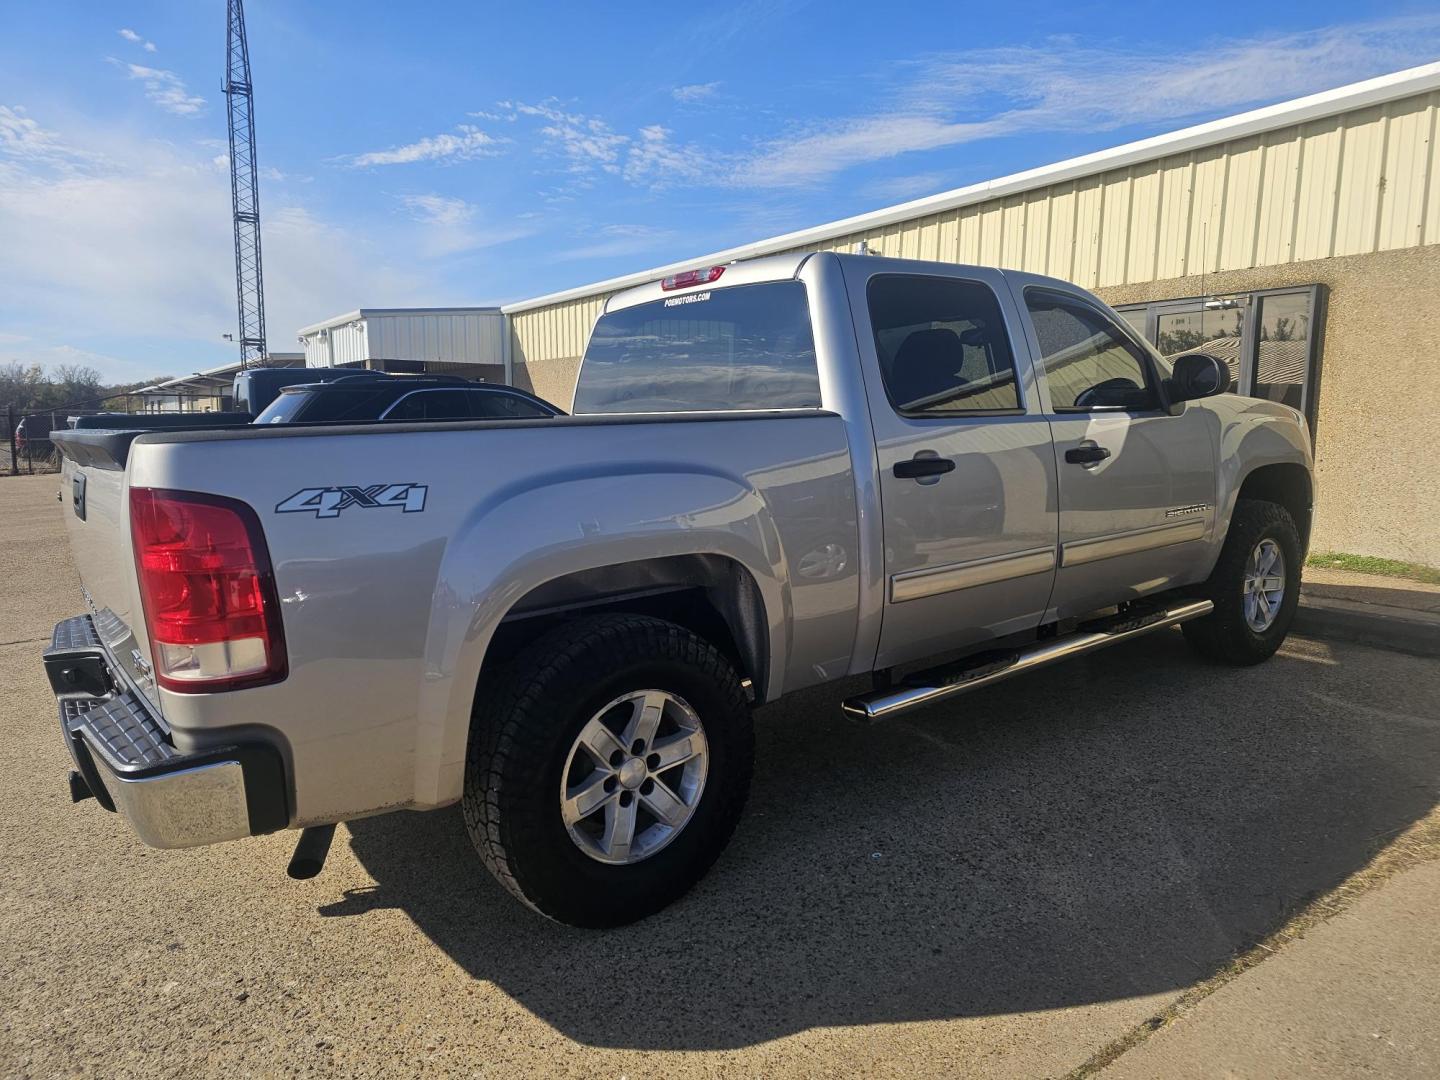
779 473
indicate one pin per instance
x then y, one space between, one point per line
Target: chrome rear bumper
124 754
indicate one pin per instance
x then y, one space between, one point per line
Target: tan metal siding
1358 198
1089 206
1240 225
1319 183
1113 236
1037 230
1144 222
1363 181
1061 258
1432 201
1279 197
1402 198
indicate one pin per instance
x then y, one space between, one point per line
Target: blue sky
467 153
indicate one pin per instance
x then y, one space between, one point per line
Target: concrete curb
1401 629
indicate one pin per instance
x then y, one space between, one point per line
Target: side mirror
1198 375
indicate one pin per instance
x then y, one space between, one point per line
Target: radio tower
244 196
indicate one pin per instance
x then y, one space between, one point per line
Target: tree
29 388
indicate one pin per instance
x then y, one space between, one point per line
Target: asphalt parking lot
1018 883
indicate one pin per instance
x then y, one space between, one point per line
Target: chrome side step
938 684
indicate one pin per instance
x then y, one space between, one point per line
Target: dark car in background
255 388
366 398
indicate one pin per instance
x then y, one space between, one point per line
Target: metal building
1301 241
464 341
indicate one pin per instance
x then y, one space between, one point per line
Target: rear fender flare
582 519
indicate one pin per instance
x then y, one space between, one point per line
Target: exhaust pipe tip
311 851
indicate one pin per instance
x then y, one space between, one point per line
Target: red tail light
693 277
209 594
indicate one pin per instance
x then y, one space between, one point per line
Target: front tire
607 768
1255 587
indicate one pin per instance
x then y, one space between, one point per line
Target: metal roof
366 313
218 377
1344 99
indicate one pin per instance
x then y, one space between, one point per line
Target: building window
1270 338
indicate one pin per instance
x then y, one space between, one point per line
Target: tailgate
94 494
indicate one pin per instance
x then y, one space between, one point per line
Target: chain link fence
25 446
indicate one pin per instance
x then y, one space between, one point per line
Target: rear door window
431 405
942 345
744 347
496 406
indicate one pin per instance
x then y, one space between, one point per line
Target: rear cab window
746 347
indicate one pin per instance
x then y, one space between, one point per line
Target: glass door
1285 346
1217 326
1269 339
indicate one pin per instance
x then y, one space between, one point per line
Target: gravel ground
1006 885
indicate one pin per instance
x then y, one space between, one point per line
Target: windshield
745 347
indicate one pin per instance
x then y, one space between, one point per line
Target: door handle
918 467
1086 455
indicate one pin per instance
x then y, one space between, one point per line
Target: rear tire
592 705
1255 587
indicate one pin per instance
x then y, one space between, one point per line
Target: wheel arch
1288 484
712 595
720 572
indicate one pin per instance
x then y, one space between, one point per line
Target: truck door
967 470
1137 485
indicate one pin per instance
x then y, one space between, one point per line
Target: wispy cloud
466 142
451 226
166 89
655 160
135 39
612 240
950 100
23 140
911 186
586 142
590 146
439 209
695 93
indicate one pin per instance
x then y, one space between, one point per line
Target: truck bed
386 611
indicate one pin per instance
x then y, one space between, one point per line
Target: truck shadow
1118 827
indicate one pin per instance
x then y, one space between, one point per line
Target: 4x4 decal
327 502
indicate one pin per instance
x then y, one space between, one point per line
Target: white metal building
469 341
